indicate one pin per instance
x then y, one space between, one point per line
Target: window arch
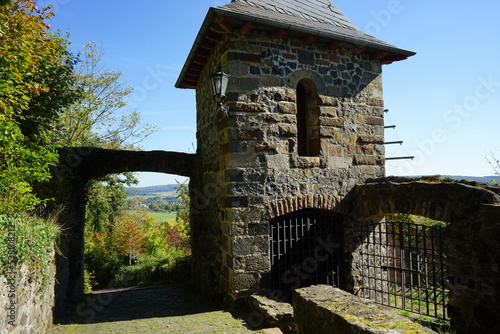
308 139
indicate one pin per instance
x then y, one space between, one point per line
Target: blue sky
445 101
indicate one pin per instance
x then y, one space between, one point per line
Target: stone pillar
473 250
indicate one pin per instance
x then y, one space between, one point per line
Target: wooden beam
195 67
280 34
203 53
208 45
200 61
379 55
224 25
309 40
247 28
217 29
358 50
190 84
192 77
390 59
211 36
334 45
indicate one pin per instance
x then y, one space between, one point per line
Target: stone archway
472 237
77 166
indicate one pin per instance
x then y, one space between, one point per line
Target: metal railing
403 266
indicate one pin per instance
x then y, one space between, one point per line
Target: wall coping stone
326 309
275 313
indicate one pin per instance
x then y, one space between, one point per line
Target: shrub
29 240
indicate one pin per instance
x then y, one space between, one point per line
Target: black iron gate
403 266
306 249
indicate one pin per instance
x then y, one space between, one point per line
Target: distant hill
135 191
483 179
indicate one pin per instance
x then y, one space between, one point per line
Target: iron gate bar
403 266
295 259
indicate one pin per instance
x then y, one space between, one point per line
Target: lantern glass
220 82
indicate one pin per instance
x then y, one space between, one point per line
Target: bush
29 240
154 271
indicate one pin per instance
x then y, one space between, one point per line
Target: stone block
251 135
287 130
368 160
272 313
287 108
236 201
258 228
328 111
306 57
266 147
283 94
370 120
328 101
325 309
278 161
250 107
365 139
258 264
272 81
234 175
243 246
245 84
246 57
244 188
245 282
335 122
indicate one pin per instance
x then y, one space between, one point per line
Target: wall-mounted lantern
220 80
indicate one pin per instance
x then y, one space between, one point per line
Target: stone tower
305 125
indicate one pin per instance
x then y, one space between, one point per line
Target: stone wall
474 271
249 166
472 238
325 309
34 302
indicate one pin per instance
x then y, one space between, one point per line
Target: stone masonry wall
325 309
250 164
473 250
34 302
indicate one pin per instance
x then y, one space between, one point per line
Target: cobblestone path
172 309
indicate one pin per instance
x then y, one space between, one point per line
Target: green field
160 216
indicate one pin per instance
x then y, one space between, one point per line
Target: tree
494 161
36 82
99 118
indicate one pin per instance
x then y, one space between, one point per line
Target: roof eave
396 53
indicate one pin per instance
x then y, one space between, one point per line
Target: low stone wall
325 309
26 302
271 313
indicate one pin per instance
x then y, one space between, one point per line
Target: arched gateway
283 159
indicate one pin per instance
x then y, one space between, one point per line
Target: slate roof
315 16
301 18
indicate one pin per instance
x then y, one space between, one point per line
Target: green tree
99 118
36 83
105 201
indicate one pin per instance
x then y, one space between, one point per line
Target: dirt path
172 309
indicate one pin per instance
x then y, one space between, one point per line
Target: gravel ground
171 309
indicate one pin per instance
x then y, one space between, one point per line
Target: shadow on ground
144 303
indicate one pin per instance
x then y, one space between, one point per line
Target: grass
420 301
163 216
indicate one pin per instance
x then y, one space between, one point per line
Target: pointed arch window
308 139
